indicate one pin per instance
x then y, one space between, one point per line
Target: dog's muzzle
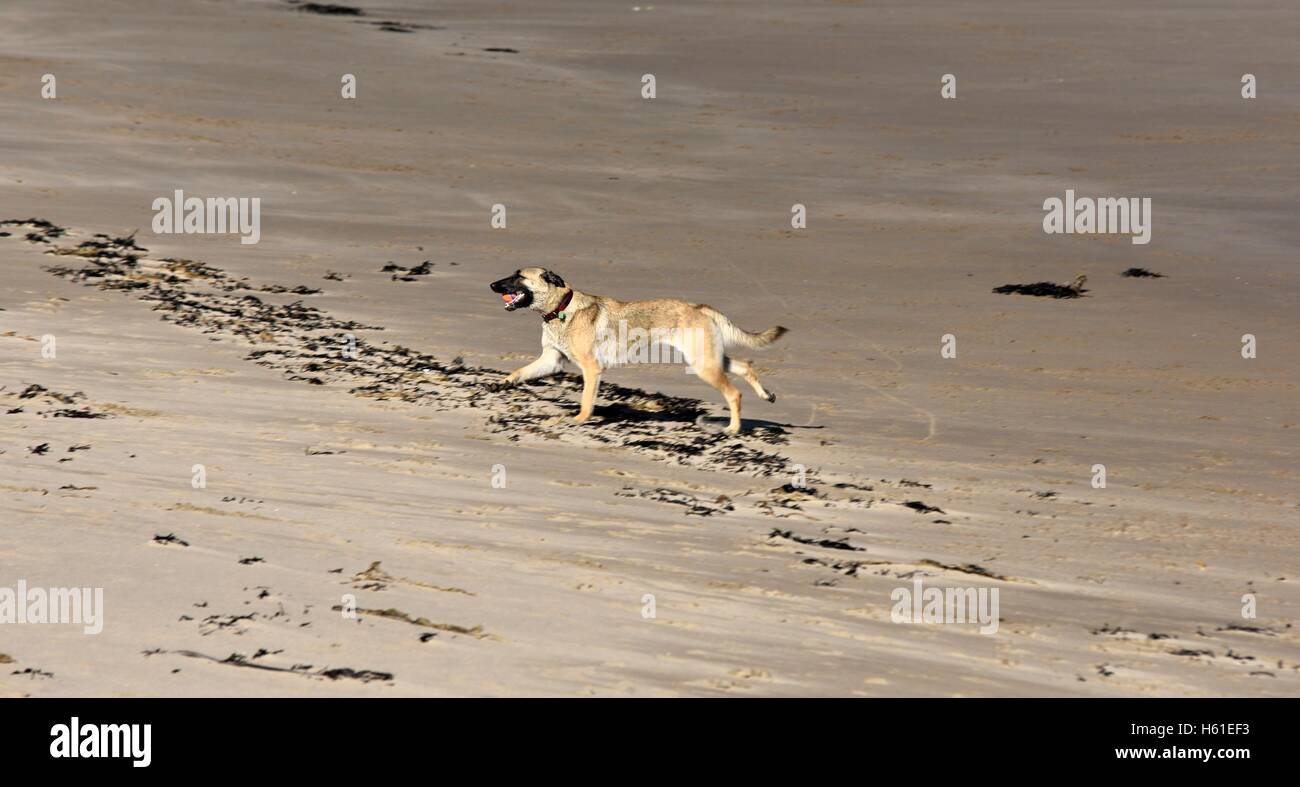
513 292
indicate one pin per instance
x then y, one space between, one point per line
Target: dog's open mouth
515 300
513 291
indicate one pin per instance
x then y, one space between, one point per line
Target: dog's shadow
753 427
646 411
621 412
619 415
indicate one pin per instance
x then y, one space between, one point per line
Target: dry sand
377 480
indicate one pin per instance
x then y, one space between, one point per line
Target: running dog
592 331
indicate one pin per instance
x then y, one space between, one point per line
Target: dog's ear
552 279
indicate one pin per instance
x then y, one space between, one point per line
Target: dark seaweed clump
331 9
1041 289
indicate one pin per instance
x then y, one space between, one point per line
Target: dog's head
528 288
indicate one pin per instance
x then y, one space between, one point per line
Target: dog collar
559 310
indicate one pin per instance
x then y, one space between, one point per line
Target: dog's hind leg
746 372
710 370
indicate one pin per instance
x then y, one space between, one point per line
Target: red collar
559 310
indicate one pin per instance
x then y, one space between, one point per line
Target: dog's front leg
590 384
549 362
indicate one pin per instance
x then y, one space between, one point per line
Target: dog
592 332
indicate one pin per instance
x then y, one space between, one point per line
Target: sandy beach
284 466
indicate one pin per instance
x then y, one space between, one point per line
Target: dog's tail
735 336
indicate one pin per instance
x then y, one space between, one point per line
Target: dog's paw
771 397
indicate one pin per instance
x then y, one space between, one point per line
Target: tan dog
596 333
